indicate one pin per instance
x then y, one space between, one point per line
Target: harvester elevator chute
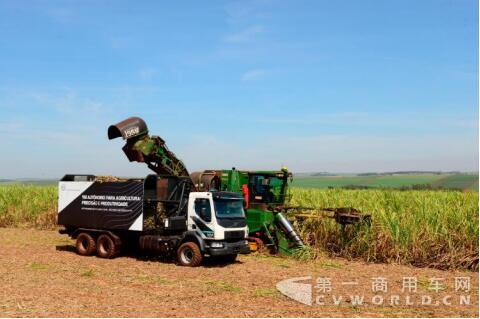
141 147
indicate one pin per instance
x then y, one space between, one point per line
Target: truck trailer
161 214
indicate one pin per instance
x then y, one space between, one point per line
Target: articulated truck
160 214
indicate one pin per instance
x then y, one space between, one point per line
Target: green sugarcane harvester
265 192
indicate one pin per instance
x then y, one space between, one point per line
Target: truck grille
234 235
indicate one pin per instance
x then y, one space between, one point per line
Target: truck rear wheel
189 254
85 244
106 247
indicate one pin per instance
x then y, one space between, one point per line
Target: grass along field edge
422 228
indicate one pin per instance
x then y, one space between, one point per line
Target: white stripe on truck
137 224
68 191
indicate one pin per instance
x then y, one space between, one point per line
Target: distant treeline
429 187
409 173
322 174
319 174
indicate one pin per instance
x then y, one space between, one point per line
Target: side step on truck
160 214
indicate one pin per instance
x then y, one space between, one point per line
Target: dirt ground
41 276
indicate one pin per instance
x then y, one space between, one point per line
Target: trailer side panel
101 205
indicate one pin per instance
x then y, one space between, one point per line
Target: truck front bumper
240 247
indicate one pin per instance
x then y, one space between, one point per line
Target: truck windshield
229 208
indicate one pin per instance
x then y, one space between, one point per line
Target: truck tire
189 254
85 244
106 247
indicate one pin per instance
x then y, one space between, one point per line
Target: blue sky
339 86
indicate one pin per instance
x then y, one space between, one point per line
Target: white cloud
361 153
318 118
121 42
59 14
69 102
252 75
147 73
401 120
240 11
79 149
333 153
10 126
245 35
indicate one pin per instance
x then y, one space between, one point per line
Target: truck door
202 216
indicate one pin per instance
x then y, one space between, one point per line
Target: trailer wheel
85 244
106 247
189 254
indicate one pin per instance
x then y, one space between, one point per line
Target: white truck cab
219 219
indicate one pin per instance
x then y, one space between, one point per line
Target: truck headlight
216 245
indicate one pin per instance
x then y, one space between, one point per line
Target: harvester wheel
189 254
85 244
106 247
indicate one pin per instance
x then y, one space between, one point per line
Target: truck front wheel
106 247
85 244
189 254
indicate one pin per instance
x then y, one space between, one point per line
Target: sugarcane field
239 159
